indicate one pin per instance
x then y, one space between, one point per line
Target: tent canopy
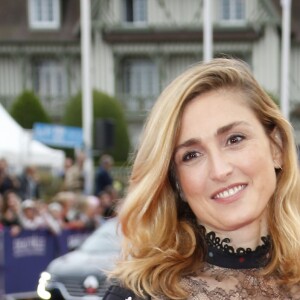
18 148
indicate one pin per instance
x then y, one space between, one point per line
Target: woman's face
224 161
13 201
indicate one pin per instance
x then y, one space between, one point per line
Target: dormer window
135 11
44 14
232 11
49 79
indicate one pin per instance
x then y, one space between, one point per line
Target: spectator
1 205
105 204
103 178
74 175
29 215
56 211
89 212
29 184
50 222
108 199
7 181
35 215
67 165
10 214
67 201
70 203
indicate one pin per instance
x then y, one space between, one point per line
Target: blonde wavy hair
162 242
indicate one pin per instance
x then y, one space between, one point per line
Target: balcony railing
54 106
136 103
134 106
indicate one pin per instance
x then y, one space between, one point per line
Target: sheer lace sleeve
221 283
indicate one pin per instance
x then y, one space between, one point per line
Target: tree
27 110
274 97
104 106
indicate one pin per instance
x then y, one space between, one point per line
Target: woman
212 210
11 212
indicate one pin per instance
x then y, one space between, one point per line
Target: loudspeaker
104 134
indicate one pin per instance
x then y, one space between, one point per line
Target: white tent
18 148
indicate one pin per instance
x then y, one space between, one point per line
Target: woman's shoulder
116 292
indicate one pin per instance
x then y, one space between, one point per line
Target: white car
80 274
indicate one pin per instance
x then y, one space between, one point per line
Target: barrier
24 257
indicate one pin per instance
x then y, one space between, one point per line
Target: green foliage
274 98
27 110
50 184
104 106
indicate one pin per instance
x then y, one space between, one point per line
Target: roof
178 35
14 26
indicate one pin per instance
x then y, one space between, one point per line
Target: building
138 47
40 51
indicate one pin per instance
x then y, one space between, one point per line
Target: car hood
79 262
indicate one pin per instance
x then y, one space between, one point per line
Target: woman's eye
235 139
190 155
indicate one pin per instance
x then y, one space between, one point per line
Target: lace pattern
231 274
219 283
214 241
220 253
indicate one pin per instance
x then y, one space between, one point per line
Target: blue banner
1 264
69 240
25 256
58 135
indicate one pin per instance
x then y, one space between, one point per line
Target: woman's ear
276 148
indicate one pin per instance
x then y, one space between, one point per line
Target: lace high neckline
221 254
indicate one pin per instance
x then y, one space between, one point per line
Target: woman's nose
220 166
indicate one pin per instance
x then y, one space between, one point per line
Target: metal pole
87 113
207 31
285 57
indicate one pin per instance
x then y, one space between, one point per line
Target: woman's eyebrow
228 127
220 131
187 143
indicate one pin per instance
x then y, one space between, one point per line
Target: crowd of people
22 205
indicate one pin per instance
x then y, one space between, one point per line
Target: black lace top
236 274
228 274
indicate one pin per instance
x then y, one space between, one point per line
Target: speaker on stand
104 134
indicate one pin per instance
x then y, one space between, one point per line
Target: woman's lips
228 192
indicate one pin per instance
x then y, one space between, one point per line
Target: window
50 79
135 11
140 82
232 10
44 14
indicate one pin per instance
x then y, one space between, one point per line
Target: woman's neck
248 236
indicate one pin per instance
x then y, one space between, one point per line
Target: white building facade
139 46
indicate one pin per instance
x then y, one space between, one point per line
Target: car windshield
105 239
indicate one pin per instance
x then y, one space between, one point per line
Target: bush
27 110
50 184
274 98
104 106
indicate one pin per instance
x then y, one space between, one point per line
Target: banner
24 257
